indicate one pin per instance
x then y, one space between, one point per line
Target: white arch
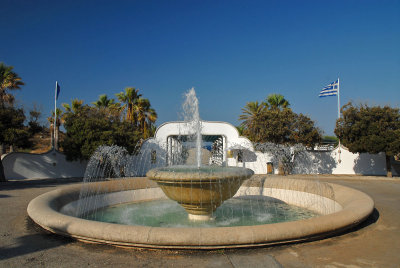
158 143
227 130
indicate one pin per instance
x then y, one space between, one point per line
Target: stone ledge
44 210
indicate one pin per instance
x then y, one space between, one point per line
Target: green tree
130 97
12 130
305 132
276 101
274 126
9 80
364 129
89 127
152 130
76 104
284 134
240 129
34 116
275 122
111 108
146 116
250 116
104 102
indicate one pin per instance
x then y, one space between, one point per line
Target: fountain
217 202
199 189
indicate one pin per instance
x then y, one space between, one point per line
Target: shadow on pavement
37 241
371 219
27 244
39 183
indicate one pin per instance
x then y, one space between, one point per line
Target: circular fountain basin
342 208
199 190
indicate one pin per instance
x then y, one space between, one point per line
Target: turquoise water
233 212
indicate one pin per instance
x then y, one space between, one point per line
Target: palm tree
152 130
250 117
9 80
76 104
251 112
146 116
110 108
276 101
59 121
116 109
130 97
240 129
103 102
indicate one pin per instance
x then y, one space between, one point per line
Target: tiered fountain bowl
199 190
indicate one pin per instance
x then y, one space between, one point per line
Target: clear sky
232 52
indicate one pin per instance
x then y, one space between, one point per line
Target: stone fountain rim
167 174
44 210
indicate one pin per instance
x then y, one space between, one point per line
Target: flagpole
338 97
338 94
55 117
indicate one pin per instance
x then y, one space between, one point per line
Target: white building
172 145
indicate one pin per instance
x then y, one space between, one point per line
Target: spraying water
192 117
199 189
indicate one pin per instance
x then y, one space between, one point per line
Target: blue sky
232 52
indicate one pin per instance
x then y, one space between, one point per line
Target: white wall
326 162
54 165
314 162
47 165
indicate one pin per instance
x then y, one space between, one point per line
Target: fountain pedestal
200 191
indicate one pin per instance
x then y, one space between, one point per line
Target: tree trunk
2 149
52 136
56 138
388 166
281 169
2 176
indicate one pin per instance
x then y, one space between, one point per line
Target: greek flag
330 90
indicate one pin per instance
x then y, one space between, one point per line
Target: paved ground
376 243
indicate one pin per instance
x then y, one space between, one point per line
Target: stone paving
375 243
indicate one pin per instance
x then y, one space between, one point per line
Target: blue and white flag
57 90
330 90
